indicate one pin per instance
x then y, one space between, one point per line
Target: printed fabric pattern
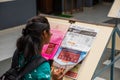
42 72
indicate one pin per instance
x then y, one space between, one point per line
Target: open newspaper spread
74 47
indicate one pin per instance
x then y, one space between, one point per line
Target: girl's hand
57 74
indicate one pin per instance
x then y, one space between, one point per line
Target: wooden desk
115 10
90 63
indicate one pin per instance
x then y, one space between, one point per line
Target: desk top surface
115 10
90 63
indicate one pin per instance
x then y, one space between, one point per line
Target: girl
29 46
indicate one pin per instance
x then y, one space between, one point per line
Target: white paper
79 38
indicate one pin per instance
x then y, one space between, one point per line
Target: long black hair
30 43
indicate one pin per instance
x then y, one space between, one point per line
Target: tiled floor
95 14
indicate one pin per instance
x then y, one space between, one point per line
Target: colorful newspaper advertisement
68 58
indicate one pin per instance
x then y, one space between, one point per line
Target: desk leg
113 54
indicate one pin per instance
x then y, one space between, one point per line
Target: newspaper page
49 50
79 38
68 58
74 47
73 73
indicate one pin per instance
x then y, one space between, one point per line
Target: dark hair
38 18
30 43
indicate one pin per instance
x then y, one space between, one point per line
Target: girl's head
34 36
39 27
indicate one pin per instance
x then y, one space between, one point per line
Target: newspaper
73 73
68 58
49 50
79 38
74 47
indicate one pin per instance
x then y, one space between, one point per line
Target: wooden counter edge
72 20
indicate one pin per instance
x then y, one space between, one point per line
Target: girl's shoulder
44 64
